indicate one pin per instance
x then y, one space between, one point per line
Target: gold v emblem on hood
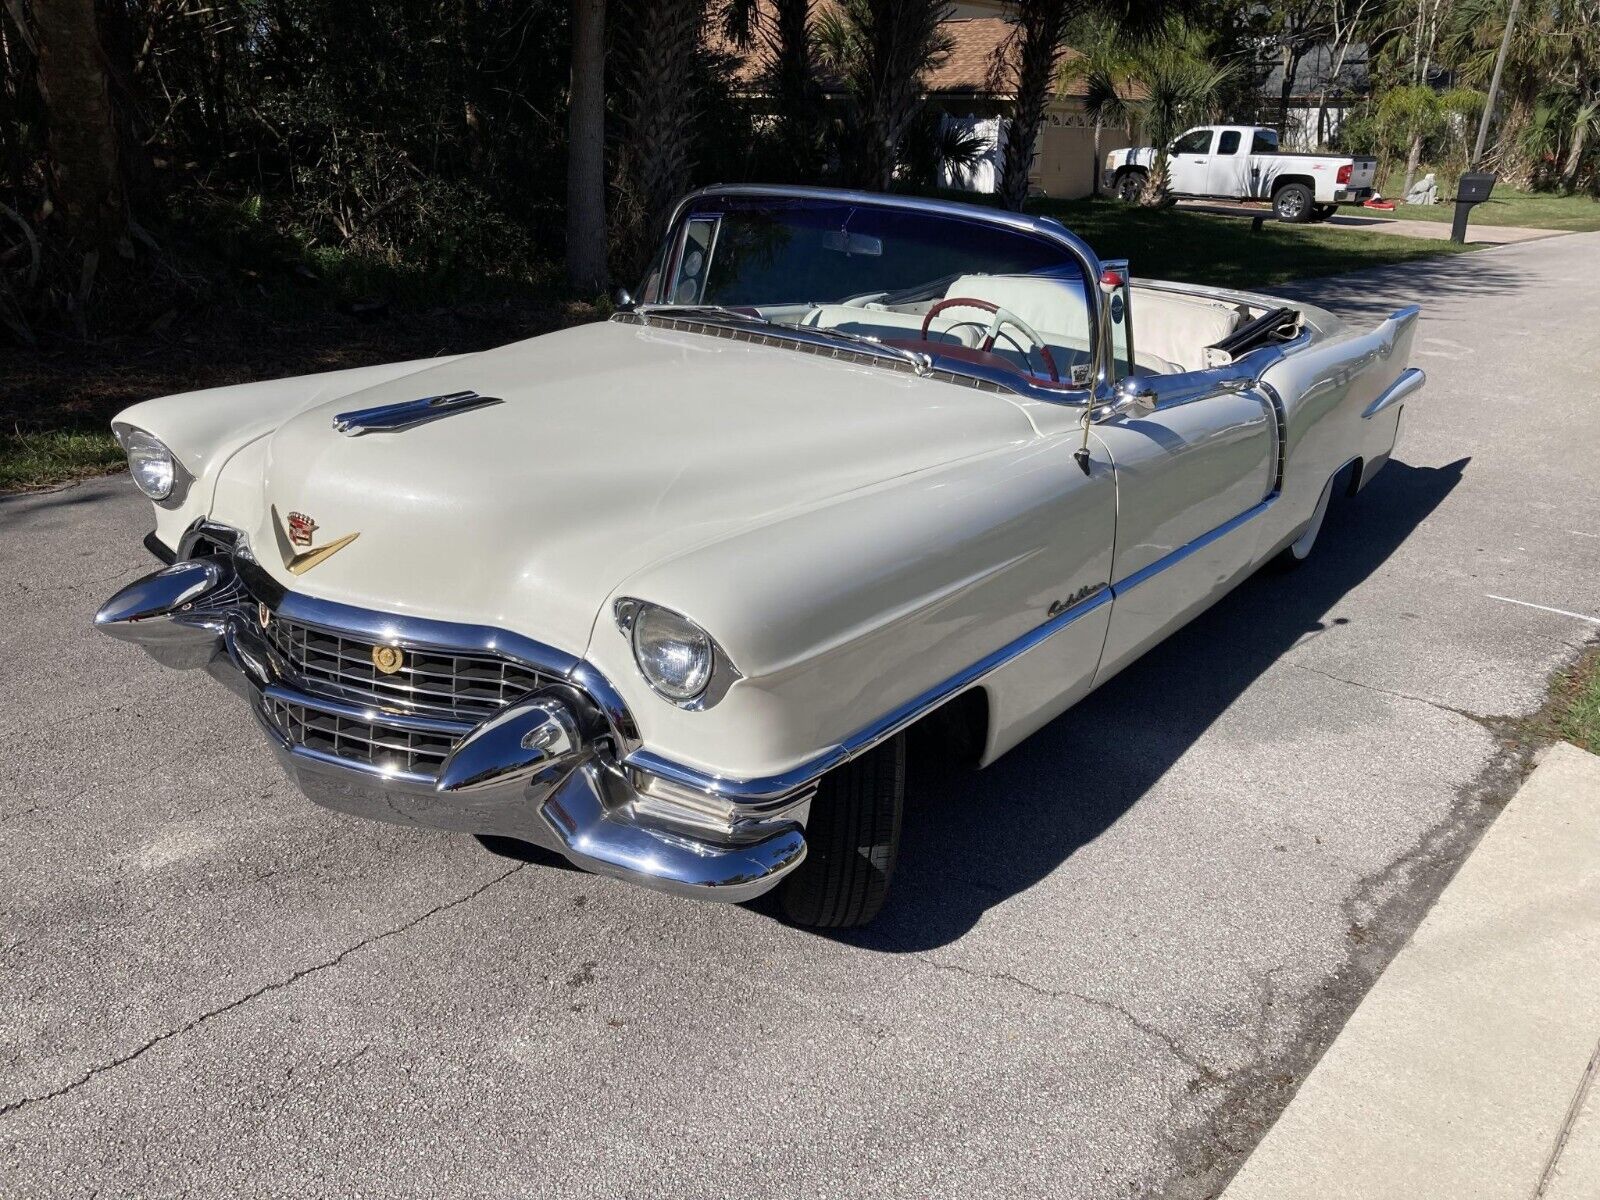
300 563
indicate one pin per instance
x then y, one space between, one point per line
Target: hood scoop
407 414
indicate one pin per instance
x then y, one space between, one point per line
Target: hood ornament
389 418
298 532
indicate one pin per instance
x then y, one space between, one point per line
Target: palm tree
1103 68
1036 46
586 149
1181 86
1033 53
882 50
790 52
660 101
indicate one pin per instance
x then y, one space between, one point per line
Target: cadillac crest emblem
301 527
387 658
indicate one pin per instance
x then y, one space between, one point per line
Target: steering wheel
1002 317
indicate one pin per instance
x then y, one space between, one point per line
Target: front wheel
1293 203
1130 185
852 840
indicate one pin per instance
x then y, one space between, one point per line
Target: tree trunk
1291 68
795 89
1038 50
1094 170
83 134
586 149
1569 173
1413 160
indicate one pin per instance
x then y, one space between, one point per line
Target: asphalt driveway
1106 963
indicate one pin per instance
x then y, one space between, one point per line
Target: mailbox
1472 188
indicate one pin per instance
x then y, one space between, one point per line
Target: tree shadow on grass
974 839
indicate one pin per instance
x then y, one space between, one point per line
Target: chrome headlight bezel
700 688
146 455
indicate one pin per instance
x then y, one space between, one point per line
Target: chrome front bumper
544 769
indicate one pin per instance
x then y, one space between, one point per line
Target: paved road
1108 957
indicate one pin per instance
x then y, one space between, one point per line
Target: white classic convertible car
665 593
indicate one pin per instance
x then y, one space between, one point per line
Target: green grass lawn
1194 247
31 460
1506 206
1578 716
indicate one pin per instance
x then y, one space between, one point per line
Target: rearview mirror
853 243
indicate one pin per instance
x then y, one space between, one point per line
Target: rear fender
1326 388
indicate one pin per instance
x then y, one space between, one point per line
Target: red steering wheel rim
988 343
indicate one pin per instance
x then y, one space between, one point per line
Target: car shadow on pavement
973 839
1367 297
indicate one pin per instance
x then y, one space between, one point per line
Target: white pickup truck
1243 162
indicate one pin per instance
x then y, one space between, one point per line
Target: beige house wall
1065 162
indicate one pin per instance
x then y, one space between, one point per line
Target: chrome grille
432 682
414 752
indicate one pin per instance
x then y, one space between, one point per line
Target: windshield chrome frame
1101 362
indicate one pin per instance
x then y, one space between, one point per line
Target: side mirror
623 298
1134 397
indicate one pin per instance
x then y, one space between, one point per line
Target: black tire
1321 212
1129 185
852 840
1293 203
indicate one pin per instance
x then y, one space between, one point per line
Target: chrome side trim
1402 389
1128 583
867 737
407 414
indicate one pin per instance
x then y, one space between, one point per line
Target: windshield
969 291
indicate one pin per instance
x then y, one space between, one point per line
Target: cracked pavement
1107 961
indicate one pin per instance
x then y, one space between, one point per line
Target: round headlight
151 464
674 654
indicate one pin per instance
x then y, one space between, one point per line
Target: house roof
973 67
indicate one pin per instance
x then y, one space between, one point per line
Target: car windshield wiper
922 363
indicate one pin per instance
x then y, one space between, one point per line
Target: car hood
615 447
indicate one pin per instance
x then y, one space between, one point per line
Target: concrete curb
1472 1068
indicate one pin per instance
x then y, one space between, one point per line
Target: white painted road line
1561 612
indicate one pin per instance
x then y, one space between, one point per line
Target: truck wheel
1130 185
1321 212
1293 203
852 839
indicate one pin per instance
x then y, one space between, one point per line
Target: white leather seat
1179 328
